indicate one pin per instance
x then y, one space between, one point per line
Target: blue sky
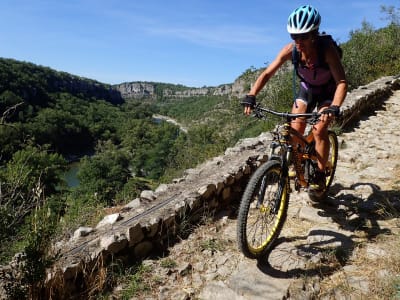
190 42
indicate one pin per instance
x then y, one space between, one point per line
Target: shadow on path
356 208
361 206
296 256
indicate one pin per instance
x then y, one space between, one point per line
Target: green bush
370 54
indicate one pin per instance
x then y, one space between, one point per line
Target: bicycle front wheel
263 210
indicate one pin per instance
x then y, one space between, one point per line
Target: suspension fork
283 184
261 192
283 178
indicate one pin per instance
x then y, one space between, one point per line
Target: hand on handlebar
248 102
330 112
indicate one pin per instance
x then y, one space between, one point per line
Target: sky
190 42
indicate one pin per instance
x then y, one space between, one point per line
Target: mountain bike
264 204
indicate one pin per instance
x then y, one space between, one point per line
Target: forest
50 119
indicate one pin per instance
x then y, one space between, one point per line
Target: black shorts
316 96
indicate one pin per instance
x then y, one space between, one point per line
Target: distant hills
32 82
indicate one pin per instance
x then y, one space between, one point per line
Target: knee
320 133
297 126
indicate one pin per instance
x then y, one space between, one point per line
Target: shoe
318 183
292 172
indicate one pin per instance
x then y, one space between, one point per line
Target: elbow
342 84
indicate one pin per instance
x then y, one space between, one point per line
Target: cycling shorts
316 96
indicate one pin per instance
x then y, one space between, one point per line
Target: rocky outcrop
136 90
151 223
221 90
147 90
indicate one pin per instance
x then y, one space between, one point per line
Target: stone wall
151 223
366 99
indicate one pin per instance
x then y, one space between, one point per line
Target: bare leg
299 124
320 131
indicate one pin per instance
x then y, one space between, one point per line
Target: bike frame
269 187
302 151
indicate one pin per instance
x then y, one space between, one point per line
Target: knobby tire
260 225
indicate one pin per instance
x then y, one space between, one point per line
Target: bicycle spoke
263 210
261 219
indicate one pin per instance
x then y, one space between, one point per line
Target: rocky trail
338 249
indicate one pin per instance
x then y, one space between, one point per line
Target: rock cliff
149 90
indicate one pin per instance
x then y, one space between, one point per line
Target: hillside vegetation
50 118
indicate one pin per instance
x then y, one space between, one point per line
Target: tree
392 14
31 175
104 174
63 131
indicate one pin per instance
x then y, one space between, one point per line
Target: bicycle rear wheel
330 167
262 210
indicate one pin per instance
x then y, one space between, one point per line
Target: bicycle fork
261 192
277 196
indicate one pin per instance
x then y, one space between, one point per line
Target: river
70 176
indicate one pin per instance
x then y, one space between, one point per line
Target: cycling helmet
303 19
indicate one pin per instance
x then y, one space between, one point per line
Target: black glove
249 100
333 109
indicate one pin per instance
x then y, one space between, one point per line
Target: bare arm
284 55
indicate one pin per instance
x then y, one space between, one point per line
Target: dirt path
170 120
329 251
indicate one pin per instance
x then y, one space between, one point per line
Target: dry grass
93 280
384 271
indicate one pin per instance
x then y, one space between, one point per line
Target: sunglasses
300 36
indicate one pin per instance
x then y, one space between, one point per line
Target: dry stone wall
151 223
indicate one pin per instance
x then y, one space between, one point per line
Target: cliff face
136 90
142 90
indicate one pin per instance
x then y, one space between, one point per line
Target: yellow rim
331 162
275 224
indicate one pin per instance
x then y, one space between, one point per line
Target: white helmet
303 20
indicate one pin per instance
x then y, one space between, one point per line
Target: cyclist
322 80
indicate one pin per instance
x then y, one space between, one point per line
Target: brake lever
314 119
257 113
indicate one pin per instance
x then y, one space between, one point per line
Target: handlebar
259 112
